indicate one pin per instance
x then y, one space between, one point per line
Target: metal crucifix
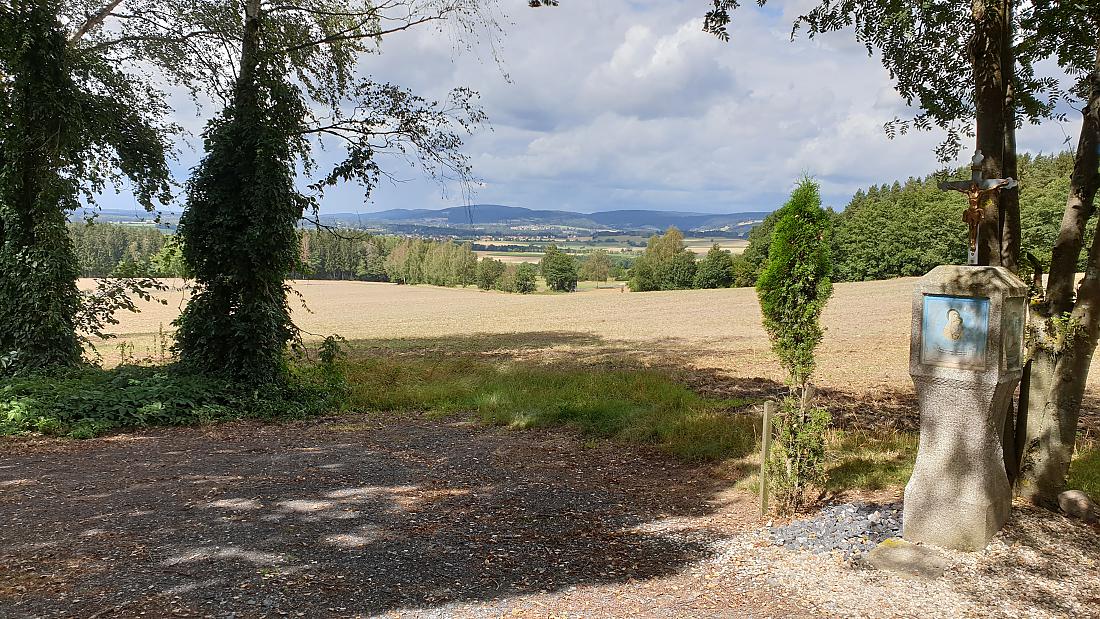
976 189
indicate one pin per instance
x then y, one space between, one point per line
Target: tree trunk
986 53
1061 360
1009 198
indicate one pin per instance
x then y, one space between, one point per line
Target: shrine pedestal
965 359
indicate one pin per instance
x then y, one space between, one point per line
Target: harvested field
866 347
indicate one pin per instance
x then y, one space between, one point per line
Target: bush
525 279
642 277
678 272
793 290
489 272
665 265
716 270
797 464
796 283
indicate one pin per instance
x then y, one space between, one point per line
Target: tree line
906 229
106 249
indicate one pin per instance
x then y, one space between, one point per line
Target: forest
906 229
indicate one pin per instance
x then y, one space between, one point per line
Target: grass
633 405
1084 473
869 460
87 402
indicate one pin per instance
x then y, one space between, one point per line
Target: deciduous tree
75 115
296 80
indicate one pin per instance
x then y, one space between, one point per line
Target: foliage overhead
926 48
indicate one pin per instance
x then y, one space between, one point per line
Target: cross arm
955 186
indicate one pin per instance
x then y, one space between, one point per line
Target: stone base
905 559
949 521
959 495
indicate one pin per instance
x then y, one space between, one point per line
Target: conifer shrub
793 289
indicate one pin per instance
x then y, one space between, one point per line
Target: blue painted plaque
954 331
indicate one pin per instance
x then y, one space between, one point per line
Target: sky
599 105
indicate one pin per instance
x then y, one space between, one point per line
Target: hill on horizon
496 214
486 215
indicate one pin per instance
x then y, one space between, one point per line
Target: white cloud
627 104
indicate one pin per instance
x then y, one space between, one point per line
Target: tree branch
351 35
94 21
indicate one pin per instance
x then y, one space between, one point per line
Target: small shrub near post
797 464
793 290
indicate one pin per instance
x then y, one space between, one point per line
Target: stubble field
865 348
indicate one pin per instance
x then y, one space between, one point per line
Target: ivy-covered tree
75 116
296 81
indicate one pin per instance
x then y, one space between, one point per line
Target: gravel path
360 516
1040 565
357 517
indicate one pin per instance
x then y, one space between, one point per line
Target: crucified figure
976 189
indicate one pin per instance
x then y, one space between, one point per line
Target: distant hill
495 214
487 215
134 216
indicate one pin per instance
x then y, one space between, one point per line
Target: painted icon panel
954 331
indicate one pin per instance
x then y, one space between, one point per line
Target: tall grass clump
638 406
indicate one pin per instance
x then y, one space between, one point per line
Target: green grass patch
1084 472
868 460
88 402
635 405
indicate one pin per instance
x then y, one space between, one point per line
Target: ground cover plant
89 401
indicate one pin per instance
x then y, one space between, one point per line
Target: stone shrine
965 358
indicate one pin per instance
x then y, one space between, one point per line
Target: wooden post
765 449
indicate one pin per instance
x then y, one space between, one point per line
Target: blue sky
627 104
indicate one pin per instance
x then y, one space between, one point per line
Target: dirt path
355 516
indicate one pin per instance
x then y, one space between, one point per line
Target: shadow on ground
349 515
